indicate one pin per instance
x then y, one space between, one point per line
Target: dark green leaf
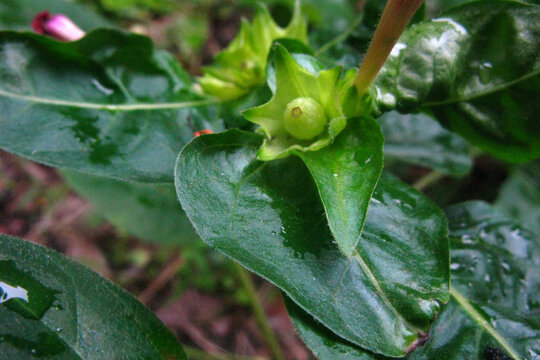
520 196
268 216
54 308
346 173
493 314
496 283
435 7
324 344
108 104
18 14
420 140
330 18
148 211
478 69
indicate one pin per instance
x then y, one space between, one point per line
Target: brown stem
396 16
163 278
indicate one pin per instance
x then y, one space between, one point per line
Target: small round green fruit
304 118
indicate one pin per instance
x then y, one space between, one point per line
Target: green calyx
307 111
241 66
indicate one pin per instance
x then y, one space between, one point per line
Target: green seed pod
304 118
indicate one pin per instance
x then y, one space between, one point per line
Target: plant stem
340 37
196 354
162 279
428 180
396 16
245 278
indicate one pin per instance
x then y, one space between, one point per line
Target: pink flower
57 26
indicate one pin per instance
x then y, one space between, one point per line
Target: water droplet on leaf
102 88
484 72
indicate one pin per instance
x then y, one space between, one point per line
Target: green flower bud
241 66
307 110
304 118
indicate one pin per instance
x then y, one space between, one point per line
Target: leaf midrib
479 94
109 107
380 291
482 322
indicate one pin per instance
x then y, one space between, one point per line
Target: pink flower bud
57 26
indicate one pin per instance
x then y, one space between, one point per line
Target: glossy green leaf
495 282
495 302
520 196
18 14
148 211
419 139
346 173
108 104
268 216
322 342
54 308
435 7
477 68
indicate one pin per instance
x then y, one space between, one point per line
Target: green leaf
520 196
419 139
476 68
148 211
495 302
324 344
18 14
346 173
495 282
108 104
55 308
129 5
435 7
268 217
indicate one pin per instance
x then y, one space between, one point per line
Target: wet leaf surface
477 69
75 313
493 313
268 216
109 104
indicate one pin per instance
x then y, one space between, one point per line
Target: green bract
306 112
241 66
